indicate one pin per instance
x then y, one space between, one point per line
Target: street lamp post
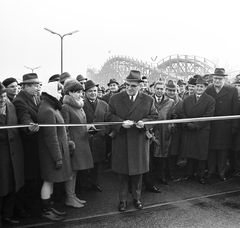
32 69
61 36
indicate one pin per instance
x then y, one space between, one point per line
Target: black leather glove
174 116
59 164
190 126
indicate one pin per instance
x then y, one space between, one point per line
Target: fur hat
71 85
9 81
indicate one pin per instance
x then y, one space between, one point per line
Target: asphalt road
181 204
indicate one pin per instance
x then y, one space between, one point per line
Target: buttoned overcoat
97 141
130 147
73 113
53 143
195 143
27 113
11 154
226 105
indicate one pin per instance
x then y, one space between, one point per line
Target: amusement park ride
172 67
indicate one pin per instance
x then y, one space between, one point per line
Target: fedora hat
64 76
30 78
192 81
2 88
181 82
219 72
54 78
236 81
171 85
80 78
201 81
89 84
134 76
112 80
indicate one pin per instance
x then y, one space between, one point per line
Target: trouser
136 182
93 172
7 205
234 159
196 166
148 177
217 159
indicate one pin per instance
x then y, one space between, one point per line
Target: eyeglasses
132 86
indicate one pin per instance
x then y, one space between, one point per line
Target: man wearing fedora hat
130 146
95 110
27 103
113 88
82 80
195 138
221 133
182 87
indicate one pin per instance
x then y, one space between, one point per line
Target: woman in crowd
11 159
73 113
53 149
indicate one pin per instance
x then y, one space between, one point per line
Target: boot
73 190
72 202
47 213
54 210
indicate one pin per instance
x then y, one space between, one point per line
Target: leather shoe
163 181
122 206
223 178
153 189
22 213
10 221
201 180
97 188
137 204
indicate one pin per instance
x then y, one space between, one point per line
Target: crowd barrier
213 118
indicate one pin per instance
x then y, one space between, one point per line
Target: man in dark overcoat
11 159
95 110
195 140
26 103
226 97
130 146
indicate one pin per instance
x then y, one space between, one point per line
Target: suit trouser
136 182
7 205
93 172
195 165
217 159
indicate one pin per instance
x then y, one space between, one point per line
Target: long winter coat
177 135
226 104
195 143
73 113
236 138
53 142
11 154
97 141
162 131
27 112
130 147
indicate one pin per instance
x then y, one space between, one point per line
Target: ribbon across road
213 118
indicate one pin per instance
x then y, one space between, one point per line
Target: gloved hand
173 128
190 126
59 164
140 124
174 116
71 146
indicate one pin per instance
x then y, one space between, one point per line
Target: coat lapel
28 100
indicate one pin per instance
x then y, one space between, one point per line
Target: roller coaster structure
173 66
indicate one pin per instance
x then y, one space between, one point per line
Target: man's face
191 88
200 88
145 83
159 90
113 87
132 88
171 92
218 81
91 93
33 89
82 82
100 93
12 89
238 88
182 88
3 99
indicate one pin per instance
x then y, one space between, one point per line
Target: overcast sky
138 28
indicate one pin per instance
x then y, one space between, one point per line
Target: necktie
131 99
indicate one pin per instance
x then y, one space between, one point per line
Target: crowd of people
63 130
